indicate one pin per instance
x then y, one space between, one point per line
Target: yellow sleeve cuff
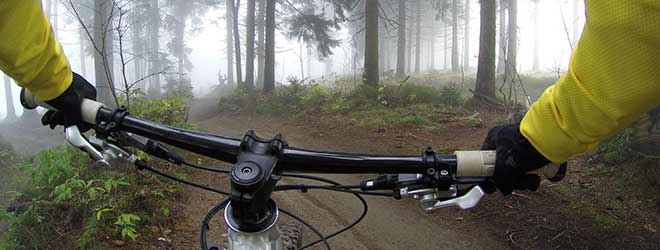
53 88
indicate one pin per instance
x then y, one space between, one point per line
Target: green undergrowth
617 183
391 103
64 201
7 155
71 203
172 110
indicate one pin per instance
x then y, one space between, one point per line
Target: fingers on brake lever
560 174
553 172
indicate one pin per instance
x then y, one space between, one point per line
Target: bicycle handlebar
258 164
476 164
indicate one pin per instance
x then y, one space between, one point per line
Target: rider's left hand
68 105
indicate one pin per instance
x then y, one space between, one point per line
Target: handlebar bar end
28 101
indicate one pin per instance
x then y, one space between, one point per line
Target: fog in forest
547 31
405 87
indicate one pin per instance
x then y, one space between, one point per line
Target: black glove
515 157
68 105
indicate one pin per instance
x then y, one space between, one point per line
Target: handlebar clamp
441 174
110 123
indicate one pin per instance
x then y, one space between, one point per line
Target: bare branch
121 52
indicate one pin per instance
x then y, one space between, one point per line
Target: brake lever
466 201
74 137
432 198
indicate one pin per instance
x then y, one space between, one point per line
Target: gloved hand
515 157
68 105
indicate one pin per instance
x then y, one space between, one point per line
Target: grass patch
392 103
607 221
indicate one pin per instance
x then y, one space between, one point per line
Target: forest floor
588 210
595 207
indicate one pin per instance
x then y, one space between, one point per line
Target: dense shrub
66 194
6 152
616 149
66 202
172 110
237 100
179 86
641 139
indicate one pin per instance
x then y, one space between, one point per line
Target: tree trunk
181 15
249 45
445 65
356 43
237 42
301 61
327 69
82 38
137 43
432 33
466 37
409 53
385 59
371 44
261 14
512 44
229 9
269 69
454 37
418 36
535 64
485 86
154 49
103 61
308 61
357 30
381 47
9 100
501 44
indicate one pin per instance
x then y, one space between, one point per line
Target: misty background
394 76
555 24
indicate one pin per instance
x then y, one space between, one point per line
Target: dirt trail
390 224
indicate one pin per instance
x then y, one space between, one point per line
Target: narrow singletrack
390 224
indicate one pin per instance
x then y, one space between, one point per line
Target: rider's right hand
68 105
516 156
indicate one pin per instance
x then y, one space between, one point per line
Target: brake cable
142 165
365 207
205 223
337 187
210 169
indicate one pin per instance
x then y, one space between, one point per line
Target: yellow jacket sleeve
29 52
613 79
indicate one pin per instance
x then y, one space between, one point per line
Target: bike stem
253 179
